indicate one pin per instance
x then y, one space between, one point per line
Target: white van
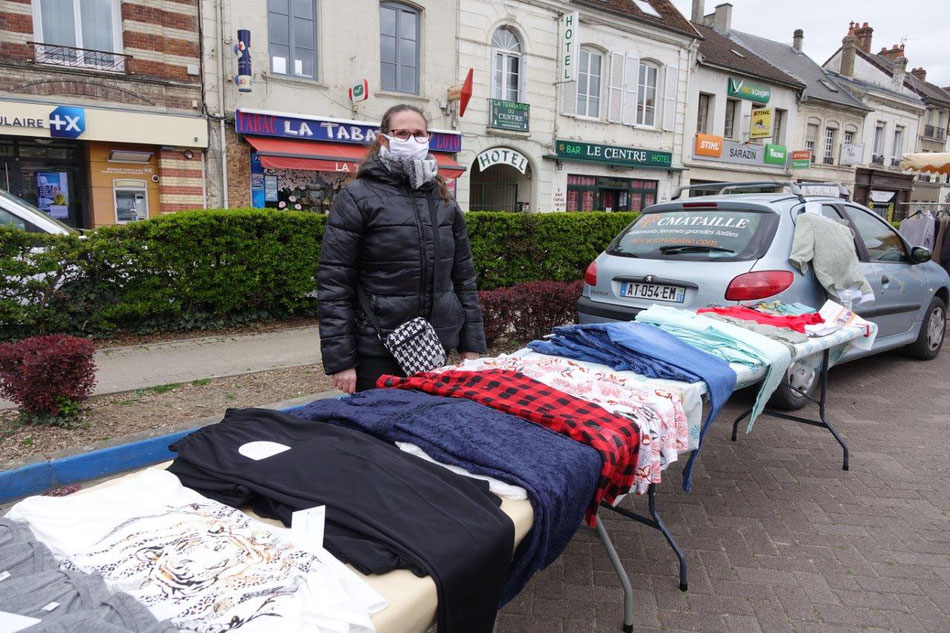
20 214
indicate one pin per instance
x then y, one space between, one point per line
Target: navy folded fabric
559 474
647 350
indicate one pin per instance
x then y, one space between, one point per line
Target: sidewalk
141 366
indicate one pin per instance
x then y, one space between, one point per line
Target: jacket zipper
422 254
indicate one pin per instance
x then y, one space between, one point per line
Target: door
899 287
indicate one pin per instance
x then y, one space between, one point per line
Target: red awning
282 153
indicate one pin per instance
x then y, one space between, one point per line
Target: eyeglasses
404 135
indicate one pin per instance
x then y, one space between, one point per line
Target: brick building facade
103 101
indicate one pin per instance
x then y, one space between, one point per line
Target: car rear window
699 235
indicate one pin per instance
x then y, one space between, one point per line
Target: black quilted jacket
379 235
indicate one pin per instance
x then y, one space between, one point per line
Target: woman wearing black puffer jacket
379 237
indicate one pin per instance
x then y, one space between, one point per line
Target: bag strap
368 309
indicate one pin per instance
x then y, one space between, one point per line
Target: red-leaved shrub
529 310
45 375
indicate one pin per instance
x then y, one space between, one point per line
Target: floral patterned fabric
664 430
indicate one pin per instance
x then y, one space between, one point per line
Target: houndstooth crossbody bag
414 344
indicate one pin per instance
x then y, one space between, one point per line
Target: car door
899 287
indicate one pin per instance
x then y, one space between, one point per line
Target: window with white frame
879 139
506 65
778 126
399 47
849 137
898 141
811 139
831 134
589 73
78 32
292 37
732 107
702 118
646 94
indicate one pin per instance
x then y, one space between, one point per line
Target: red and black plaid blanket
615 437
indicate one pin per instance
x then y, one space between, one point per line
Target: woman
379 237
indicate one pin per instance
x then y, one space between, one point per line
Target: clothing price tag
4 575
11 622
309 524
51 606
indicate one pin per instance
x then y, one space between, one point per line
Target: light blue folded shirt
729 342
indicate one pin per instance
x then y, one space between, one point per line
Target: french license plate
658 292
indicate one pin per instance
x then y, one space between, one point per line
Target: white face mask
410 148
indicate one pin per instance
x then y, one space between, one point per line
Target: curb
40 476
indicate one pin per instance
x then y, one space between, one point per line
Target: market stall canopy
930 162
279 153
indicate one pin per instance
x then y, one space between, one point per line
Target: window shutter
670 88
569 98
631 75
615 90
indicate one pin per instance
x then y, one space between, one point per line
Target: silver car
728 249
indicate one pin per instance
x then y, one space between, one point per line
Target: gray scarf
418 172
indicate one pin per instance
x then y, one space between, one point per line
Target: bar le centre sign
613 155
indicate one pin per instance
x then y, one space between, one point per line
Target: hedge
212 268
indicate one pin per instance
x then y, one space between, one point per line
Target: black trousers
369 368
385 508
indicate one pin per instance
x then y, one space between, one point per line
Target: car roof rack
800 189
722 188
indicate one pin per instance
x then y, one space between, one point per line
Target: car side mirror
920 255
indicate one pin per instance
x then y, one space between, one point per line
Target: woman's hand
345 381
468 355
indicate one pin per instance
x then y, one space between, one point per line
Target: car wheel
801 380
932 331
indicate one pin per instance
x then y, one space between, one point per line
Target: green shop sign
744 89
776 154
613 155
508 115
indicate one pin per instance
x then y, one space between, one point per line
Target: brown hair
385 126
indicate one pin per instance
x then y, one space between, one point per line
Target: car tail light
700 205
590 275
759 285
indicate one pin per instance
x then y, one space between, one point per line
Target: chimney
893 53
919 73
722 18
863 33
699 9
797 39
900 69
849 48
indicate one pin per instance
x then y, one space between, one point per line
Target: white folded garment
500 488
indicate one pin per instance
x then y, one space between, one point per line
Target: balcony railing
895 162
935 132
828 160
877 159
59 55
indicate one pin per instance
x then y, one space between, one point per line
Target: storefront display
52 190
596 193
300 162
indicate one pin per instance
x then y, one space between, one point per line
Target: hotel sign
613 155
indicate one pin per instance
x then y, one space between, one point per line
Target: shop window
78 33
595 193
589 74
399 47
729 129
292 37
131 200
702 118
646 95
507 66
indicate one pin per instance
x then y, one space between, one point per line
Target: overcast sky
924 23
